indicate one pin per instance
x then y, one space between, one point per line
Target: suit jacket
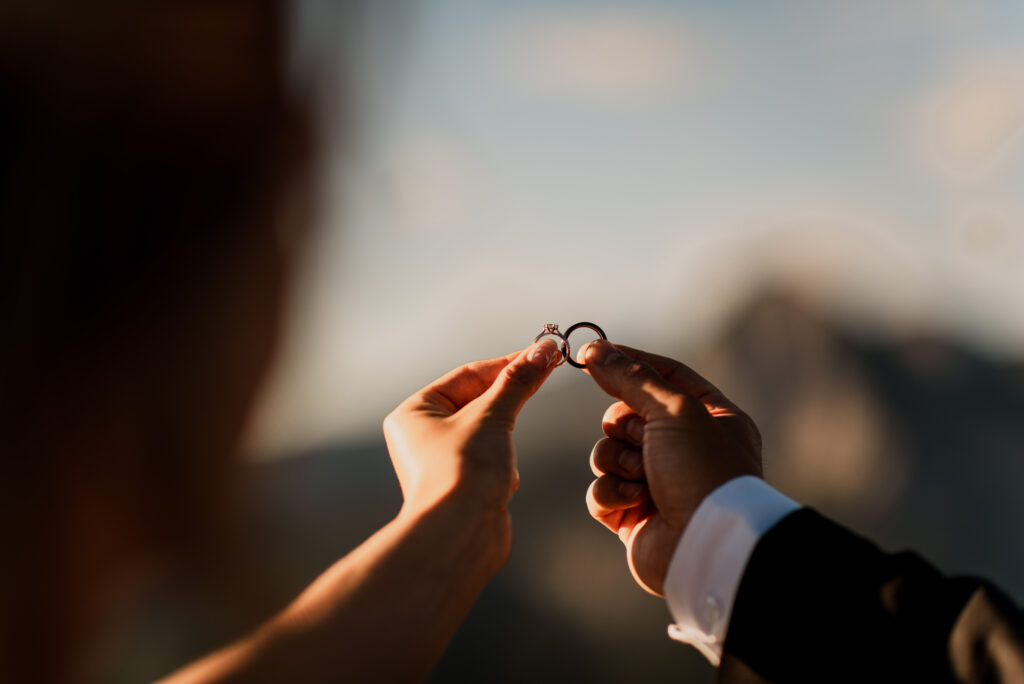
818 603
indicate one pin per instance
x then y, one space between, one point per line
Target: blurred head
148 153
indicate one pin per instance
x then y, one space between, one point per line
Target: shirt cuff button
711 615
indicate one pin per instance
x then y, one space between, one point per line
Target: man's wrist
654 545
708 563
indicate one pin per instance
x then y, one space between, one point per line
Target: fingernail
544 354
581 355
630 460
635 429
629 489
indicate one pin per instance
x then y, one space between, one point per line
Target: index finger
680 376
458 387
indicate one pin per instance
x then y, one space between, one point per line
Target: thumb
518 381
634 382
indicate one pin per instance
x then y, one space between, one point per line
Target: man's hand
672 439
453 438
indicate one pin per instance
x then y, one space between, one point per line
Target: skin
670 440
124 419
406 589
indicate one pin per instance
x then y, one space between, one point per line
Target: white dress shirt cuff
705 571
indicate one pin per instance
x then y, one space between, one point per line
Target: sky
649 166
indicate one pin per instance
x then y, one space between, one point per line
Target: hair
144 147
134 138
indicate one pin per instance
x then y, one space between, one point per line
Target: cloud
605 55
972 122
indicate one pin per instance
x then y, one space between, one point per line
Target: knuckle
676 405
599 457
606 491
637 370
522 374
616 412
391 421
754 433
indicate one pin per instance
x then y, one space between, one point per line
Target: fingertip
520 378
611 492
544 354
598 353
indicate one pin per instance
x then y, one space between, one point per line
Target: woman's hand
671 440
386 611
453 438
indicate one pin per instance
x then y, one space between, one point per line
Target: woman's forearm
385 612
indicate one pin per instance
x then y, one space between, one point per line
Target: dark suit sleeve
818 603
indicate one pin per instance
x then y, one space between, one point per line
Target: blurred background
817 205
